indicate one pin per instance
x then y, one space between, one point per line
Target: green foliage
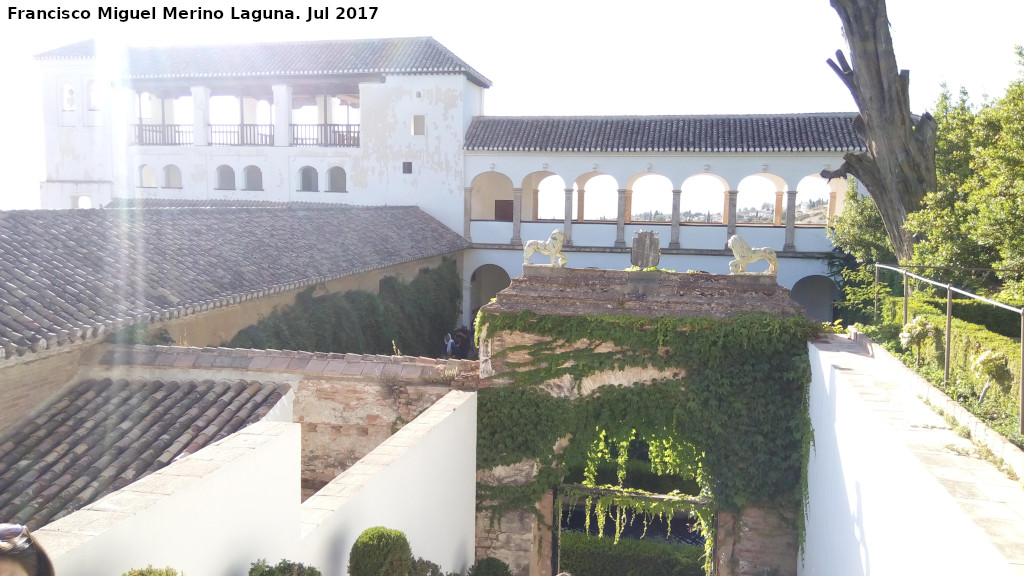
409 316
998 320
915 333
283 568
150 571
583 554
380 551
422 567
489 567
733 415
859 231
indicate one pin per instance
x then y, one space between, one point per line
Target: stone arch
546 200
818 199
817 294
147 176
703 198
225 177
485 282
649 198
84 202
760 199
597 197
309 179
491 197
337 179
252 178
172 176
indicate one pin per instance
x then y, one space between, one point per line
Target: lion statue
745 255
552 247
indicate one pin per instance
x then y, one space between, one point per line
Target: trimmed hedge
150 571
380 551
593 556
995 319
489 567
283 568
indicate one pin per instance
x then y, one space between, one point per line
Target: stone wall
756 541
26 383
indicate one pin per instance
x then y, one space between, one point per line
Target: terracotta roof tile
738 133
68 275
101 435
422 55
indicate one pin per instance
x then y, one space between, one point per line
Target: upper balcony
307 135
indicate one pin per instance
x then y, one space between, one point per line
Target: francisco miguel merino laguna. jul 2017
175 13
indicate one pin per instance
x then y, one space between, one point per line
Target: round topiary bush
489 567
380 551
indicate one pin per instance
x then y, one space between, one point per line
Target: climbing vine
731 412
408 316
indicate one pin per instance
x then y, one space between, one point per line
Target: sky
567 57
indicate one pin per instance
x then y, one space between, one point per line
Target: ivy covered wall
721 400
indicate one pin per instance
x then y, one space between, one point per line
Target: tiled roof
102 435
67 275
735 133
422 55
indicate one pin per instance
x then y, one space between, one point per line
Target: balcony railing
241 134
325 134
163 134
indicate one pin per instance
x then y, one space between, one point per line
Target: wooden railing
325 134
163 134
241 134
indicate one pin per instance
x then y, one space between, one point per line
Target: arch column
620 221
282 114
567 227
730 214
467 295
579 205
467 214
790 221
517 216
778 208
674 243
200 115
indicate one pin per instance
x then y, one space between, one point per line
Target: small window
225 177
336 179
309 180
172 176
406 167
67 97
147 176
83 202
419 125
253 178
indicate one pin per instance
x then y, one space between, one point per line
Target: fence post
949 329
875 317
906 295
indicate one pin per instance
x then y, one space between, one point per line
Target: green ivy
734 415
410 316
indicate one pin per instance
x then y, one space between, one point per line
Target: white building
401 121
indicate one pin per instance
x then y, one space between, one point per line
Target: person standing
21 554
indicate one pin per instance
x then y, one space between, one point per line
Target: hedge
592 556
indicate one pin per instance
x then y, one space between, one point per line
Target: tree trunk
898 167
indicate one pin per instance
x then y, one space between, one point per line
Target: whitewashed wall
874 509
215 512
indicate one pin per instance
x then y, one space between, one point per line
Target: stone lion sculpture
552 247
745 255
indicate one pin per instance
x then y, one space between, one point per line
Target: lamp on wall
764 167
707 167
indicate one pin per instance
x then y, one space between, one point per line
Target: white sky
572 57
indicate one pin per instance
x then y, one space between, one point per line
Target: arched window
253 178
172 176
225 177
92 96
336 179
147 176
309 180
84 202
67 97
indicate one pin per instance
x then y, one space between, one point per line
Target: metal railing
241 134
325 135
950 289
163 134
